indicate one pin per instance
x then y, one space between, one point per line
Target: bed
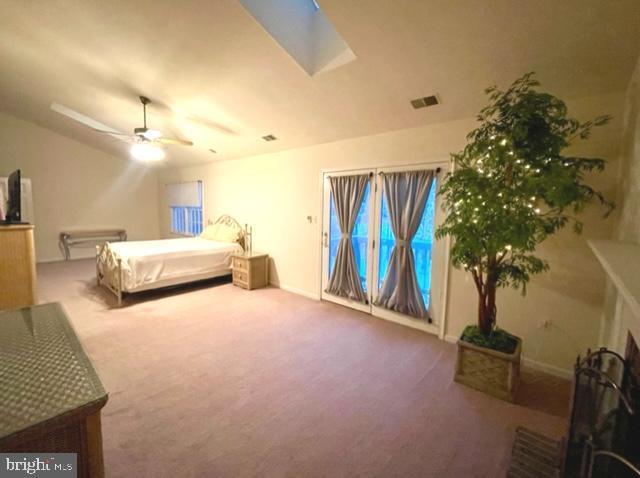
136 266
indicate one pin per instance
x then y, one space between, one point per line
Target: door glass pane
421 244
334 234
359 238
387 240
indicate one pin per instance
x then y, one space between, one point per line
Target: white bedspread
166 260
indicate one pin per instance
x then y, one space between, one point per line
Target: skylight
304 31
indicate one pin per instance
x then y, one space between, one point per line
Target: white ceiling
210 60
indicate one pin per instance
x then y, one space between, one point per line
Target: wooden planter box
490 371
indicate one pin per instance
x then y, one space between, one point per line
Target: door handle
325 239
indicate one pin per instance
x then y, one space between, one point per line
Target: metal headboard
231 222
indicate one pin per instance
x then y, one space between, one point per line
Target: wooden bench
89 237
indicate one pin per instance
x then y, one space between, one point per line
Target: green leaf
512 187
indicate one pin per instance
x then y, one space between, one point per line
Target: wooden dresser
250 271
17 266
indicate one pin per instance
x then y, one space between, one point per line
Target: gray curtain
347 192
406 195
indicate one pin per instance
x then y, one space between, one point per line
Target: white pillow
220 232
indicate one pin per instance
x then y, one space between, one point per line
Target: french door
361 236
373 240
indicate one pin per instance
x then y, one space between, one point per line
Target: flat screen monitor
14 210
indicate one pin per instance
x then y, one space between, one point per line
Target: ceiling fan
146 142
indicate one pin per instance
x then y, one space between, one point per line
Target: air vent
269 137
424 102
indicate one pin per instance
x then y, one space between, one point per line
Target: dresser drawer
240 264
240 276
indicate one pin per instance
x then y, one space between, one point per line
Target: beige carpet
217 381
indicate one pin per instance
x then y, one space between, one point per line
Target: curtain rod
382 172
437 171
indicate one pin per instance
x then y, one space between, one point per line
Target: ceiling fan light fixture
147 152
152 134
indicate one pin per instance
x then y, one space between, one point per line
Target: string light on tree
500 174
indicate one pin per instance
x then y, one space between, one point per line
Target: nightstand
250 271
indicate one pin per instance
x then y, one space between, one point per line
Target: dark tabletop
44 372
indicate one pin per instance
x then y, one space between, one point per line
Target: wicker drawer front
241 278
239 264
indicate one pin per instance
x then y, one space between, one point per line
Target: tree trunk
487 308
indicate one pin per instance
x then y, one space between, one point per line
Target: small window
185 203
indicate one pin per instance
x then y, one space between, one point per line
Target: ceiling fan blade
112 133
180 142
123 137
85 120
210 124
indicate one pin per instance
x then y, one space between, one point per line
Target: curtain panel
347 193
406 195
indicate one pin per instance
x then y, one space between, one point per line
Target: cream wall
629 227
276 192
75 186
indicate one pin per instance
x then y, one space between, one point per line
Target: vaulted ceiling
217 78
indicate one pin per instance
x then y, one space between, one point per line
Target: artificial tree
512 188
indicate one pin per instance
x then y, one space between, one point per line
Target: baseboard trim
452 339
547 368
530 363
296 291
46 260
51 261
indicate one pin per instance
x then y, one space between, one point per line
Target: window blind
187 194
